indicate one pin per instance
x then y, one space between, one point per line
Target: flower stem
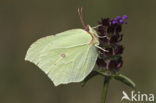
105 88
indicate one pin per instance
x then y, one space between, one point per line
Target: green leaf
124 79
91 75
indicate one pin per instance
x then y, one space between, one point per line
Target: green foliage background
24 21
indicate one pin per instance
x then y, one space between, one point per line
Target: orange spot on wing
63 55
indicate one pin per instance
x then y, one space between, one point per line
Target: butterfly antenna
81 18
86 27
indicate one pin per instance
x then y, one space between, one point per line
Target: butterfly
68 56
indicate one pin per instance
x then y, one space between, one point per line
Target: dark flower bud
120 38
112 64
118 28
115 64
101 63
119 63
103 40
108 52
118 50
102 31
105 22
111 29
116 38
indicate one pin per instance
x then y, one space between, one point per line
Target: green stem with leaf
107 77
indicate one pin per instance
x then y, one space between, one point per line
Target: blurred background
24 21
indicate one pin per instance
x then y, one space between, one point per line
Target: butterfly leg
101 48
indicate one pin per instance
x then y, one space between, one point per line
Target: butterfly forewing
66 57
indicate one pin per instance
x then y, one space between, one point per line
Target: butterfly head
93 34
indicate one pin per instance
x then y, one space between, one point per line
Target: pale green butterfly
66 57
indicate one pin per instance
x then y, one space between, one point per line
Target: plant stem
105 88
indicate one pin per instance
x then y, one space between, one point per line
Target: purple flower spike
124 17
118 18
121 21
114 22
111 29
